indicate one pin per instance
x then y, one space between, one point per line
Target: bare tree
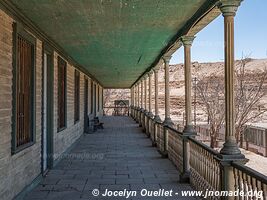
210 95
248 95
249 91
107 96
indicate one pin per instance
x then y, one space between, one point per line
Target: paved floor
116 158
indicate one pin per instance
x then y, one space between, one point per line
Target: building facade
45 106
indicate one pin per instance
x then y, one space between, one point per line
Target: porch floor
116 158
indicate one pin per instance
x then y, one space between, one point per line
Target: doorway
47 111
86 119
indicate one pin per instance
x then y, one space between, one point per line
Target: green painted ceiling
115 40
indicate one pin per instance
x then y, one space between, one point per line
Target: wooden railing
143 120
251 182
205 170
175 148
140 117
255 139
151 129
146 123
160 137
116 111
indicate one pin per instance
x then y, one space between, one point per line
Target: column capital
150 73
229 7
166 59
156 68
146 76
187 40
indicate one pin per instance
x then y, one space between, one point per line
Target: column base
168 122
150 114
185 177
189 130
154 144
230 149
228 182
157 119
231 153
164 154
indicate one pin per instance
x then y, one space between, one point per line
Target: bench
97 124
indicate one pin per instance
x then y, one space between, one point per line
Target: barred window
24 92
23 120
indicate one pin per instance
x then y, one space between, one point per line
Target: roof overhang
115 41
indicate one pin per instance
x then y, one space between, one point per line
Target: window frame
19 31
59 128
76 96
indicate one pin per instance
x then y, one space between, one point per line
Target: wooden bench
97 124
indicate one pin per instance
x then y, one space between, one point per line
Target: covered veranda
122 44
117 158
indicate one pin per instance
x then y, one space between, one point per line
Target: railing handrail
160 123
251 172
204 146
205 164
116 107
174 130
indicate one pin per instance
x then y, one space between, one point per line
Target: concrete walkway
116 158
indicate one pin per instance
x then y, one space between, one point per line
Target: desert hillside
199 71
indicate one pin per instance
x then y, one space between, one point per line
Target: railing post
230 151
156 117
167 121
188 129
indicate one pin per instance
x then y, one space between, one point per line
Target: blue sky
250 35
